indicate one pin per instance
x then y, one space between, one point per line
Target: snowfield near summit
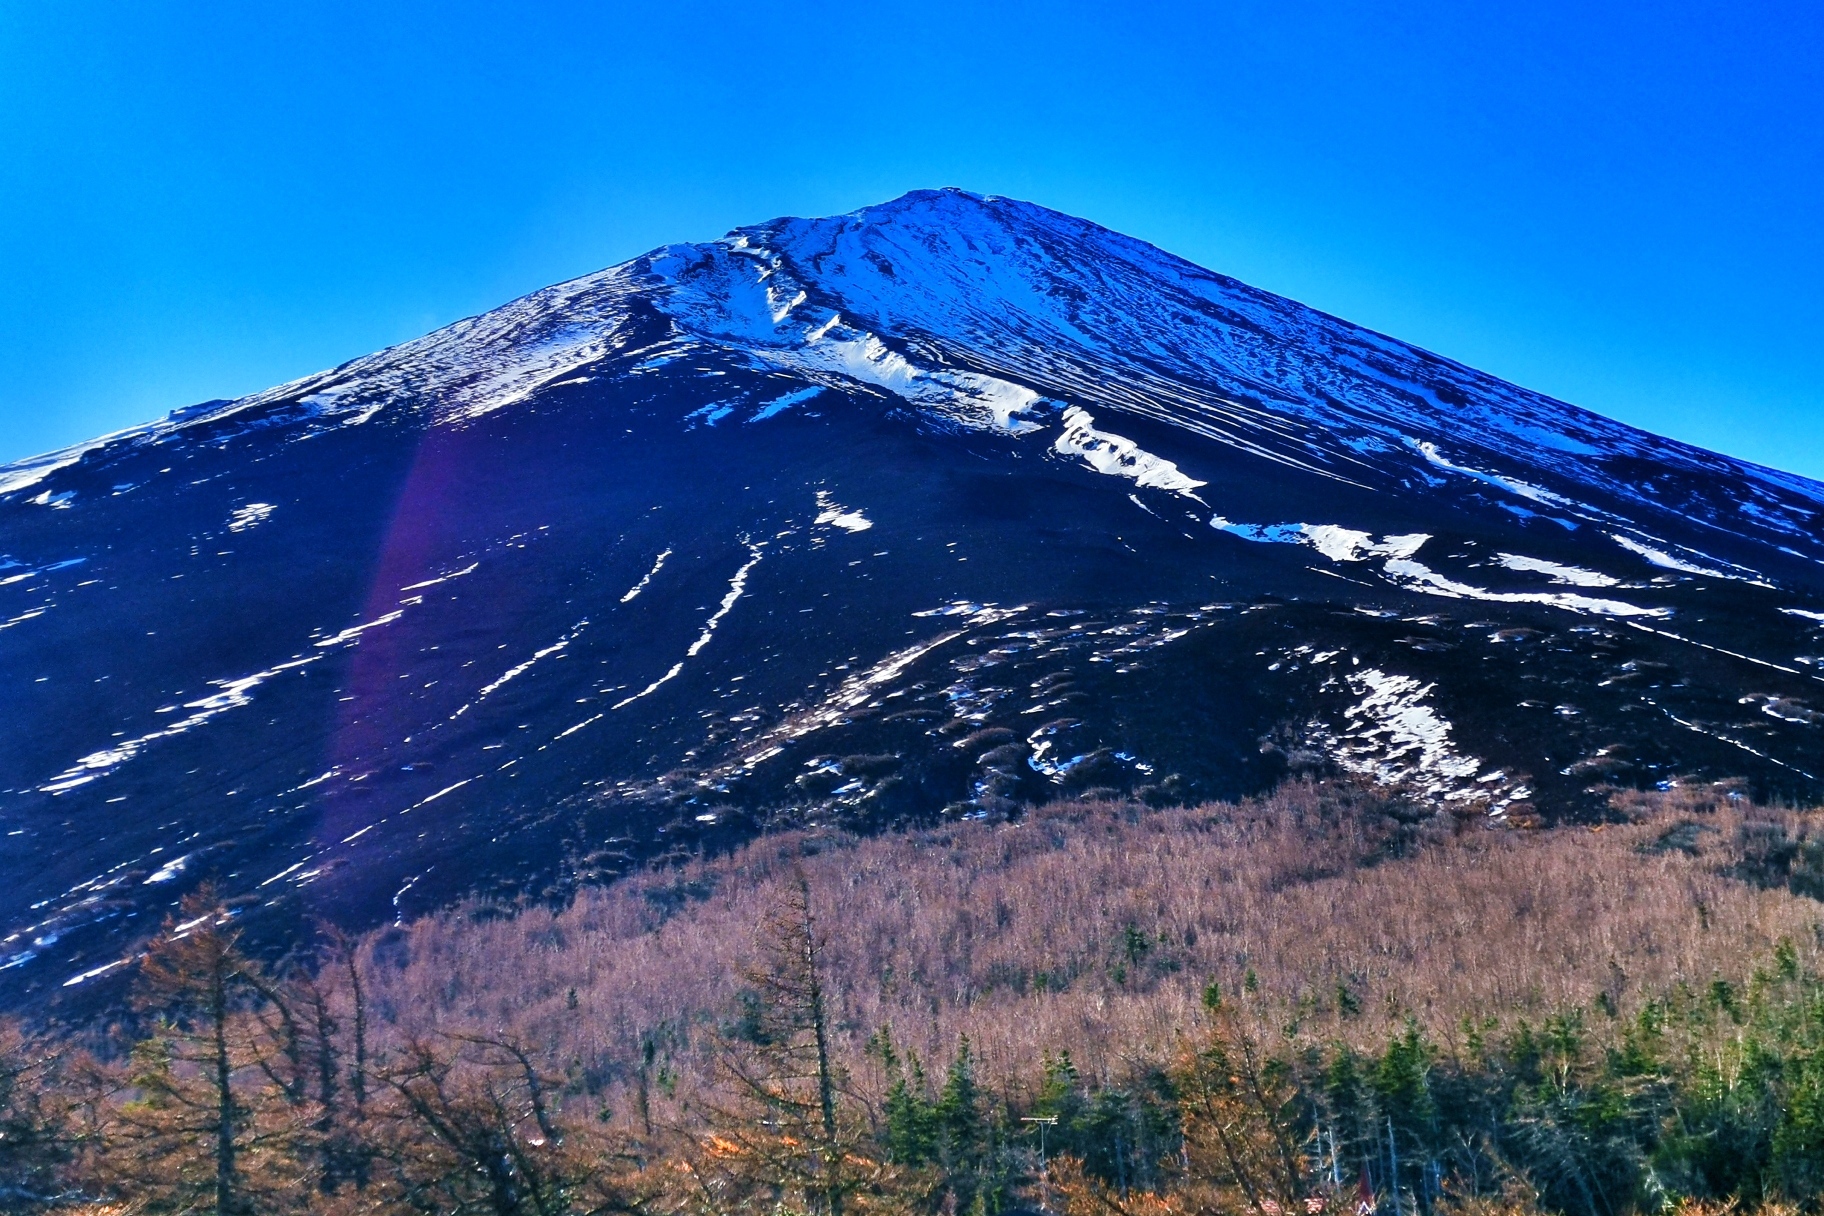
936 510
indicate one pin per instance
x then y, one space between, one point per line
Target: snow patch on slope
739 294
1666 561
1118 456
832 515
1349 545
1336 543
1570 576
1394 735
975 400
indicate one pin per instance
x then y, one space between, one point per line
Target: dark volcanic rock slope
939 508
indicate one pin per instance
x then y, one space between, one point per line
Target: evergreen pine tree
910 1130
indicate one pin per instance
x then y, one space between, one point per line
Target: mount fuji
938 509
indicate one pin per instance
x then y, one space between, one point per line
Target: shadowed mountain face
936 509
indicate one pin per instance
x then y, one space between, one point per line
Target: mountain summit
941 508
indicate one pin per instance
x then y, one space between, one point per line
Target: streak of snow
566 733
448 789
94 972
1416 576
30 574
233 694
1666 561
522 668
1734 742
353 633
1512 485
1572 576
779 405
1718 649
1118 456
293 868
526 666
21 618
442 578
736 586
634 591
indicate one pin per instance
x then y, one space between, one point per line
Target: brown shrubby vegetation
1099 925
1268 1008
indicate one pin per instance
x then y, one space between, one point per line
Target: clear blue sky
1618 204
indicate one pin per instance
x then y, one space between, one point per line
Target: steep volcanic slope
938 508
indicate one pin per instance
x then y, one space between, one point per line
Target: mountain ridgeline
943 508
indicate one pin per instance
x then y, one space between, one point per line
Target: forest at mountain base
1355 1003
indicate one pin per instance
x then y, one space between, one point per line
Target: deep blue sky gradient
1616 204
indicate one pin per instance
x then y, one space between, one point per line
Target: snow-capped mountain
935 509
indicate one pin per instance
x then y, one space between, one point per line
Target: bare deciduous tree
218 1120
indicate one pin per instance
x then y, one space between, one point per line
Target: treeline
248 1092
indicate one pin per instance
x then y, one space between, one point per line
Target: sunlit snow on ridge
24 474
729 299
1416 576
1512 485
966 397
1079 314
1572 576
1118 456
1339 544
1667 561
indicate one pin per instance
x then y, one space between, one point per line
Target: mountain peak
939 509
